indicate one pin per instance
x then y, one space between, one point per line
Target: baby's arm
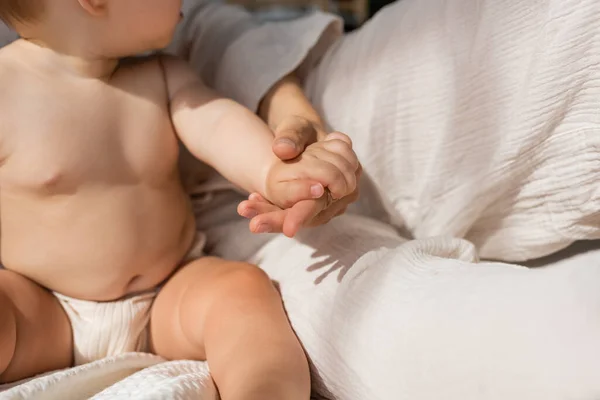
217 130
235 142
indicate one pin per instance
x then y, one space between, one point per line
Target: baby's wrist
268 172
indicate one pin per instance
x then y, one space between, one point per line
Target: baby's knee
229 285
8 333
242 279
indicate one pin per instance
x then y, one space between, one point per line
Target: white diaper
103 329
109 328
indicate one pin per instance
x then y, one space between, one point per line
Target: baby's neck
68 61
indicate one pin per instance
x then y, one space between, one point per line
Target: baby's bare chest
109 137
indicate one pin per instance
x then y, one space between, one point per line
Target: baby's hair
12 11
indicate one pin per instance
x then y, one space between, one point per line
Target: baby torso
91 202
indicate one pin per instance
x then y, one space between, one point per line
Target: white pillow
477 119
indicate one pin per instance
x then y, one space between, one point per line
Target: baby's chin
158 43
153 40
164 43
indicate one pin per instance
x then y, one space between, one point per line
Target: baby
97 233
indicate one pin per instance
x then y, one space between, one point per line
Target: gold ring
330 199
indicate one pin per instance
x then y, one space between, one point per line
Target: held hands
330 164
311 187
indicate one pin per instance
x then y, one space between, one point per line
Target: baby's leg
35 334
230 314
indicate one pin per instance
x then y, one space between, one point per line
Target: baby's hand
330 164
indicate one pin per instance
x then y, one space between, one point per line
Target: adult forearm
287 99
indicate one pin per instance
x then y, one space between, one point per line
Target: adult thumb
291 138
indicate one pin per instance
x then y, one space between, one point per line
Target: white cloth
133 376
477 119
382 318
103 329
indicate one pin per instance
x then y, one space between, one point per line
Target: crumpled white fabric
385 318
134 376
476 119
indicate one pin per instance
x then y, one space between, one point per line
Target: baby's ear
94 7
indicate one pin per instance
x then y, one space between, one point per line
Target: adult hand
292 135
268 218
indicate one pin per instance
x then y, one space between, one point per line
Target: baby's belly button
148 281
112 289
110 284
137 284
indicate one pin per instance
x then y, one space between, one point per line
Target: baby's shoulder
160 74
15 80
12 84
12 79
143 73
9 68
141 68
